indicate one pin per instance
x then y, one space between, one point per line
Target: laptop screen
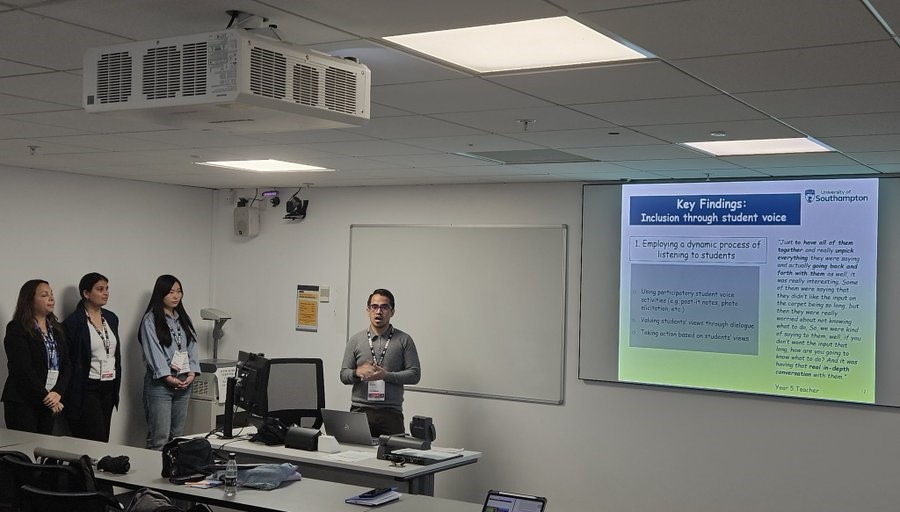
498 501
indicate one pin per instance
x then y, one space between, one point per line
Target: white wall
60 226
610 446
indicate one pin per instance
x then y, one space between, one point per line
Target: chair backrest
9 491
296 391
55 477
35 499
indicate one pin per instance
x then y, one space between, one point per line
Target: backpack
148 500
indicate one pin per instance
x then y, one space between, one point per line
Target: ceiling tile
110 142
586 138
823 101
889 10
795 160
541 119
57 87
15 105
433 160
13 129
390 66
860 143
194 17
471 144
835 126
708 163
64 51
12 68
697 109
96 123
736 130
847 64
465 95
709 174
376 18
408 127
721 27
877 157
372 148
620 82
825 170
622 153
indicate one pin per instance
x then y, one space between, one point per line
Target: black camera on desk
423 433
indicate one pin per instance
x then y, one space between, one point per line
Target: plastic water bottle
230 477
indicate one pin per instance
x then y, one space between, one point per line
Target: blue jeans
165 409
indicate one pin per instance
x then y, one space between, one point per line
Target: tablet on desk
499 501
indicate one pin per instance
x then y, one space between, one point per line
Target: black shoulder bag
183 457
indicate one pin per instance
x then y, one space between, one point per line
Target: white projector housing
228 80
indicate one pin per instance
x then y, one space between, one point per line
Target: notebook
498 501
348 427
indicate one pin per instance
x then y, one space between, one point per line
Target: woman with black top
92 333
37 359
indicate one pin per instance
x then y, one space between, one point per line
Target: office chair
56 477
295 391
9 491
42 500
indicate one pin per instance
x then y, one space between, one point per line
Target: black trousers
30 418
382 421
96 411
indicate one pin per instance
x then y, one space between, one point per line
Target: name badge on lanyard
107 365
52 356
376 388
181 363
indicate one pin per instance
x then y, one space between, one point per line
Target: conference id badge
180 362
52 377
107 369
376 391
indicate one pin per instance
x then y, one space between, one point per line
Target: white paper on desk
349 456
428 454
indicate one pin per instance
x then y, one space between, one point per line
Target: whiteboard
485 305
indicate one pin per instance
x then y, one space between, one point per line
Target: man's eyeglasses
375 307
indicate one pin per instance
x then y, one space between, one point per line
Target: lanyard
176 335
50 344
104 336
380 360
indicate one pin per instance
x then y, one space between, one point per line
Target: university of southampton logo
810 195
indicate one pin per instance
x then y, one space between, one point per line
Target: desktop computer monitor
246 390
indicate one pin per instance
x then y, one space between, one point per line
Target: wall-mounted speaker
246 221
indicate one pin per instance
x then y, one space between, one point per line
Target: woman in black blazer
92 333
38 362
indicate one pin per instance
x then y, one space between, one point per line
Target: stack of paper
374 497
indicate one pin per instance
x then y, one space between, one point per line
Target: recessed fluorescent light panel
542 43
265 166
759 146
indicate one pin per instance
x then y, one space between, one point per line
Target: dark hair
24 314
383 292
88 281
163 286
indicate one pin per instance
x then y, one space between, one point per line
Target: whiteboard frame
560 398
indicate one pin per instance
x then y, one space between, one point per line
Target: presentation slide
759 287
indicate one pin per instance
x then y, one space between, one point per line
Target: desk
12 437
371 472
302 496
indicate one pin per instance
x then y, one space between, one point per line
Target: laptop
348 427
499 501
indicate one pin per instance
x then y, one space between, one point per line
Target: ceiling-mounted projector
229 80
